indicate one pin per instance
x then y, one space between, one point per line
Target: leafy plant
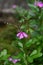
26 39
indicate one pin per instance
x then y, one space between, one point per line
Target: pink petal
15 61
40 4
21 36
18 34
10 59
14 6
25 35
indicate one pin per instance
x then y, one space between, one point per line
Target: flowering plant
27 38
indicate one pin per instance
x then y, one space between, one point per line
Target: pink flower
14 6
21 35
10 59
14 60
39 4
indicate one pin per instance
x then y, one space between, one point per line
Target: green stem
25 60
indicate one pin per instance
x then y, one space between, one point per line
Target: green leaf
33 7
31 30
28 44
34 52
5 57
20 55
35 40
37 55
23 26
3 53
22 20
20 44
30 59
